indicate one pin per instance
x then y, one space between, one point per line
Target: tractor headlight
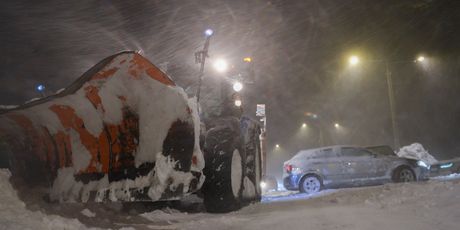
263 185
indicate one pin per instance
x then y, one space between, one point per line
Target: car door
358 164
383 159
330 165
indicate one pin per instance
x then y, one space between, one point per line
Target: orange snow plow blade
122 131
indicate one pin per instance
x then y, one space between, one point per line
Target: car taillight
288 168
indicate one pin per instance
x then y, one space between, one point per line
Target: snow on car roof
311 152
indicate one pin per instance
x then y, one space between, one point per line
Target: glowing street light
220 65
353 60
337 125
277 146
421 59
237 86
304 125
247 59
238 102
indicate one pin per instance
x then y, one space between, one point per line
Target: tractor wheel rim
236 173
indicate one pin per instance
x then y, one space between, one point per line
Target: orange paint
124 139
92 94
105 74
64 150
33 137
69 119
139 64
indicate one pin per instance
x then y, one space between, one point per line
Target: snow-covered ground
424 205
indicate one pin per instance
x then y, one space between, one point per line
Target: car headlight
422 164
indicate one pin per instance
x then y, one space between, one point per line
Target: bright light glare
277 145
237 86
40 88
263 184
208 32
422 164
238 102
337 125
220 65
247 59
353 60
304 125
421 59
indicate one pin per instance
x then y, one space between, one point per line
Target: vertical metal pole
203 56
391 99
321 138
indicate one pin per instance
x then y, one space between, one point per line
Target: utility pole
391 99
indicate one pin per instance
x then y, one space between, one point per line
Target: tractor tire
223 186
252 191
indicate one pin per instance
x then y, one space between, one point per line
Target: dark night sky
299 48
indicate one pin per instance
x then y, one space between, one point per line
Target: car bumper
291 182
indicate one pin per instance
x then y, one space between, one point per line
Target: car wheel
403 174
310 184
222 189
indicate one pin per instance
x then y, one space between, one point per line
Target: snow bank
417 152
15 215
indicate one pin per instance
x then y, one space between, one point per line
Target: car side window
328 153
355 152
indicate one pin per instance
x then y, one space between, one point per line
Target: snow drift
417 152
15 215
122 131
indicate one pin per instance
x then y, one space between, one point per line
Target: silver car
345 166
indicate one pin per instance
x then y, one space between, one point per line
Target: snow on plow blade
122 131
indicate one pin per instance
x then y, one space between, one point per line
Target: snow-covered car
344 166
444 168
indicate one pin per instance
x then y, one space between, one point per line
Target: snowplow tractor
122 132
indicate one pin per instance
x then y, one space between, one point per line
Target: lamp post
354 60
200 58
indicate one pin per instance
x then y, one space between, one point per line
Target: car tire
222 189
310 184
403 174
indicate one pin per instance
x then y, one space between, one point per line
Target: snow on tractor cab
125 132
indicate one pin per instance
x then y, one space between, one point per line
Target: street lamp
277 146
421 59
200 58
337 125
353 60
304 125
